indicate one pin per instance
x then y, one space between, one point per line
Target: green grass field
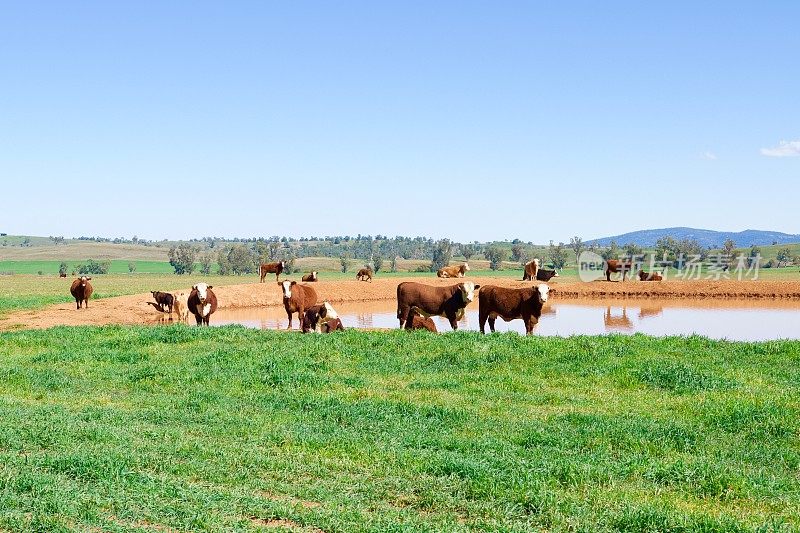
148 428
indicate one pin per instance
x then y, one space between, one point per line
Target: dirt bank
135 310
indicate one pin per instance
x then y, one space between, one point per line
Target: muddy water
728 319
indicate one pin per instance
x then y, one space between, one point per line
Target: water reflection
617 321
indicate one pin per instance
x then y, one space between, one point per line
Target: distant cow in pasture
62 274
649 276
311 276
181 305
276 268
365 274
316 316
545 275
453 271
427 300
296 299
617 265
509 304
417 321
164 299
202 303
531 269
81 290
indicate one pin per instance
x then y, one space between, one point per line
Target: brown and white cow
164 299
202 303
416 321
531 269
509 304
448 302
296 299
651 276
311 276
272 268
317 316
81 290
332 325
365 274
545 275
453 271
618 265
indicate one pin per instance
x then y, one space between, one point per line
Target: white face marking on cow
202 291
330 312
287 289
466 266
544 292
468 291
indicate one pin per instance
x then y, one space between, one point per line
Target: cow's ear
194 287
477 287
87 279
294 283
210 286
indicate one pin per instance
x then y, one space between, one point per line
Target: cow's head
202 291
286 286
468 289
314 275
543 292
84 279
465 266
283 265
555 273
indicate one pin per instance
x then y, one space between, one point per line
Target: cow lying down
320 318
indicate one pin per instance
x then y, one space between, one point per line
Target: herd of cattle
416 302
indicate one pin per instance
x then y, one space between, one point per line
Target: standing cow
164 299
618 265
202 303
81 290
525 303
531 269
272 268
181 305
365 274
426 300
545 275
296 299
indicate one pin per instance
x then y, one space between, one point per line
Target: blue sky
467 120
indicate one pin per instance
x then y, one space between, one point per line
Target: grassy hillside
226 428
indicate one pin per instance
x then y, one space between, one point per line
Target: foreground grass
226 428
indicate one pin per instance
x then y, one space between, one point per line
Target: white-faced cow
311 276
426 300
296 299
81 290
317 316
509 304
531 269
453 271
272 268
202 303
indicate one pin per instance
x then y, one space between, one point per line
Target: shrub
62 269
441 255
182 258
94 267
131 267
496 255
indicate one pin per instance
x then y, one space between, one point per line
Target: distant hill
707 238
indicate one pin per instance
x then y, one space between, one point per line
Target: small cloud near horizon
709 156
784 149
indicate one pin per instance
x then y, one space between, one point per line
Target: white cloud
784 149
709 156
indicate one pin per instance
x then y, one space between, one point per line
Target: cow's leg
492 319
530 324
482 320
608 274
402 315
198 319
453 322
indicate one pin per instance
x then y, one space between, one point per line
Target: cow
312 276
272 268
62 274
453 271
416 321
81 290
531 269
296 299
181 305
426 300
316 316
202 303
545 275
332 325
164 299
525 303
365 274
652 276
616 265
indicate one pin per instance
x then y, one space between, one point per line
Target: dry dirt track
134 309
